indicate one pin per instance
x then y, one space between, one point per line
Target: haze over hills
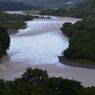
49 3
86 9
13 5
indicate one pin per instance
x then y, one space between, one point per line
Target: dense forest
85 9
4 41
37 82
82 40
13 21
81 10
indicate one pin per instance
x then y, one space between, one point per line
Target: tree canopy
4 41
49 86
82 40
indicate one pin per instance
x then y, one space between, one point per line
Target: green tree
35 76
4 41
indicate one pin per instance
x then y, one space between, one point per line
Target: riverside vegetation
82 40
13 21
37 82
10 21
4 41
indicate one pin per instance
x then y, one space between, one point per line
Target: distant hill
85 9
81 10
48 3
52 3
13 5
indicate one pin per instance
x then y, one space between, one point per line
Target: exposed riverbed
39 46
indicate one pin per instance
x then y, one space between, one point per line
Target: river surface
40 43
38 46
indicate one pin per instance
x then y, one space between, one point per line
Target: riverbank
76 64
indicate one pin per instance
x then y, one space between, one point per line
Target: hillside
52 3
49 3
81 10
13 5
85 9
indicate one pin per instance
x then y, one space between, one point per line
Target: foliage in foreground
82 40
37 82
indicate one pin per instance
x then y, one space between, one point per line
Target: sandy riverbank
77 64
10 71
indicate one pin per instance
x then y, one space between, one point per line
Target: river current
38 46
40 43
